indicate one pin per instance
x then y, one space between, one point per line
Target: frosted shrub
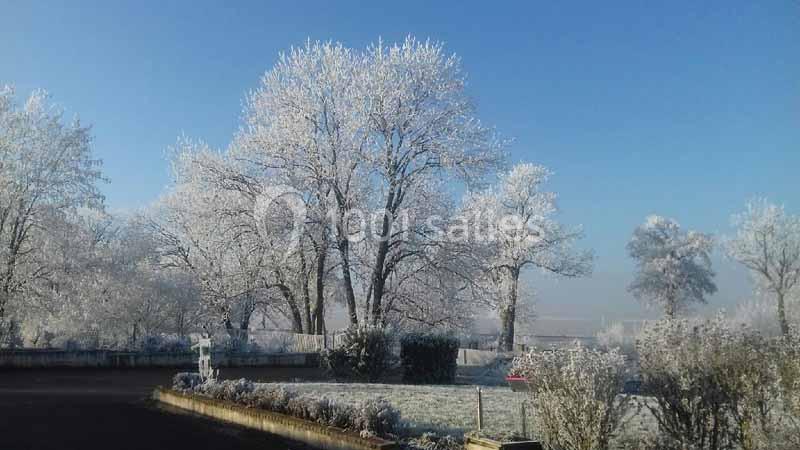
327 412
714 384
432 441
377 417
228 390
365 355
787 434
574 395
186 381
269 398
370 418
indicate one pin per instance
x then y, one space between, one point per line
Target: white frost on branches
514 228
767 243
673 266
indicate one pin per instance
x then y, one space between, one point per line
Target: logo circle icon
280 215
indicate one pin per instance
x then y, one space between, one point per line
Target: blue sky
684 109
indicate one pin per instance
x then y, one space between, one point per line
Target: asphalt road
85 409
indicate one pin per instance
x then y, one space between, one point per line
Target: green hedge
365 355
429 358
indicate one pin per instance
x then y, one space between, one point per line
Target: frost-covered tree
513 224
105 288
211 225
199 232
421 126
46 171
673 266
360 131
758 313
767 243
305 125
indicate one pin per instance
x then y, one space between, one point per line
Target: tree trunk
350 296
244 322
5 296
133 335
506 340
306 294
782 314
319 306
378 282
297 318
669 309
508 317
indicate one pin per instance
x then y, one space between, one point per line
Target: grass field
442 409
448 409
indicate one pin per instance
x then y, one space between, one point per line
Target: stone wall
30 359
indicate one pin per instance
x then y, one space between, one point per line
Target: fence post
480 410
523 419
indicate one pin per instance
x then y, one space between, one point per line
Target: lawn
451 409
442 409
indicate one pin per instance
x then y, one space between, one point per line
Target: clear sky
685 109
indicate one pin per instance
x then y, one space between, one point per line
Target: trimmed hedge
429 358
366 355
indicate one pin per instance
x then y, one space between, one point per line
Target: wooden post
523 419
480 410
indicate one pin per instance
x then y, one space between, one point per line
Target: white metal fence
284 341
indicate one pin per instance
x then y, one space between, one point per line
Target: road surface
87 409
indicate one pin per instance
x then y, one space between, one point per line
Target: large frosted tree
46 171
514 226
421 126
304 126
673 266
767 243
368 130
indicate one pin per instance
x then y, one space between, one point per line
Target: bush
186 381
429 358
714 384
786 433
365 355
432 441
377 418
574 395
370 418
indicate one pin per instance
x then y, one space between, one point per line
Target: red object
517 383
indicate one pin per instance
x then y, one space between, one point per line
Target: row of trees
338 188
674 266
359 177
70 271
